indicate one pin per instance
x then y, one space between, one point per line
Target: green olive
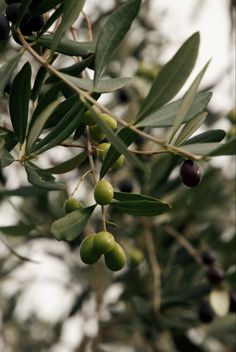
135 257
116 259
103 192
72 204
104 242
102 149
231 116
96 133
111 122
88 252
88 116
118 163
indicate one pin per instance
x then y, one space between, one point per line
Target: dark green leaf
19 101
103 85
112 33
22 11
24 192
227 148
70 226
68 165
164 117
53 18
44 6
71 11
207 137
171 78
17 230
67 46
127 136
39 178
7 69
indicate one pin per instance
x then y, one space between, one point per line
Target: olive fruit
4 27
190 173
11 1
232 305
111 122
215 275
96 133
231 116
208 257
205 312
88 116
125 185
103 192
12 11
35 24
88 252
104 242
102 149
116 259
135 257
72 204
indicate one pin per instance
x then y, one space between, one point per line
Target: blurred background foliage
58 304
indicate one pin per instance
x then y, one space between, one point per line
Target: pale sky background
181 19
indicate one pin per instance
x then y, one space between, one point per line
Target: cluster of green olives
29 23
103 243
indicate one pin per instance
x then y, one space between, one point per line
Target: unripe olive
104 242
231 116
88 252
118 163
116 259
103 192
72 204
102 149
4 27
96 133
111 122
190 173
88 116
135 257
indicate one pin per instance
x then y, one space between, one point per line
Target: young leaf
207 137
190 127
164 117
117 142
67 46
187 102
68 165
71 11
103 85
37 126
138 204
171 78
7 69
39 178
70 226
19 101
112 33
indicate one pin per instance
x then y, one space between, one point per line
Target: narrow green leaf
25 192
6 158
71 11
112 33
22 11
68 165
207 137
67 46
127 136
53 18
164 117
187 102
70 226
39 178
62 130
139 205
19 101
103 85
200 148
44 6
17 230
171 78
7 69
38 124
227 148
190 127
117 142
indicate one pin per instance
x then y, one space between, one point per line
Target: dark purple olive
208 257
232 305
190 173
215 275
205 313
35 24
4 27
11 1
125 185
